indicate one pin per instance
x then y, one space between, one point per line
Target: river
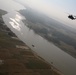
61 60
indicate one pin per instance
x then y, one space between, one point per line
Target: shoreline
18 59
60 44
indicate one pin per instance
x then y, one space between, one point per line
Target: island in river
16 58
59 34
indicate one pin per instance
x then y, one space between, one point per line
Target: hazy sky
68 5
10 5
57 9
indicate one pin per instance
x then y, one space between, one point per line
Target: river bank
16 58
53 32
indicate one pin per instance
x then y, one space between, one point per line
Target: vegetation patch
36 64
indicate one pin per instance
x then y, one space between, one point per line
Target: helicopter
72 17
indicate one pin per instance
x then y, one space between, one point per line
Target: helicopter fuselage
71 17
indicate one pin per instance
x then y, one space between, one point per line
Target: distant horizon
53 11
48 7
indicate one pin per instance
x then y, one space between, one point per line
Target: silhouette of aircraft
72 17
